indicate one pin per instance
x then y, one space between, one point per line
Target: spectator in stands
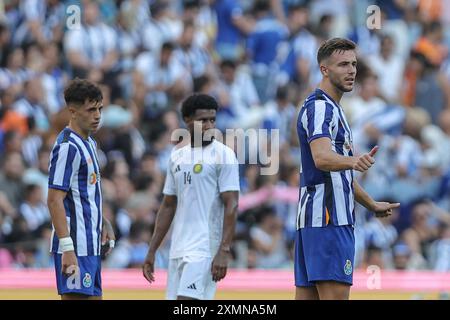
159 79
42 22
33 209
161 28
32 105
131 252
422 232
231 28
13 73
262 45
268 241
280 114
239 98
92 49
11 178
386 59
195 59
381 234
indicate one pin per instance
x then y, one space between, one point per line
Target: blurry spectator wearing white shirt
157 79
381 234
304 46
238 98
205 21
161 28
54 79
91 49
280 114
138 9
31 105
39 175
14 74
389 69
129 43
33 209
268 241
43 21
441 248
195 59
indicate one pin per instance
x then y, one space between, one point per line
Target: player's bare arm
220 263
381 209
164 219
326 159
55 202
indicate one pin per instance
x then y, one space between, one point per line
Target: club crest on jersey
93 178
87 280
198 168
348 269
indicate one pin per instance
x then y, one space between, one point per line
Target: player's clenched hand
69 263
149 267
365 161
384 209
108 235
219 265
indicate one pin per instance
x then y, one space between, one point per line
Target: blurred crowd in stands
258 58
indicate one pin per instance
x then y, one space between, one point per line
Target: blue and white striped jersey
74 168
325 197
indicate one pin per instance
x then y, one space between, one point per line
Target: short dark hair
328 47
228 63
80 90
198 101
201 82
168 46
30 188
261 6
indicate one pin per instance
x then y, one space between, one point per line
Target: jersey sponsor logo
87 280
192 286
348 269
93 178
177 168
198 168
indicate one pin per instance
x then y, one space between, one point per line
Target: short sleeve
63 166
169 185
229 173
31 10
73 41
235 9
110 38
316 120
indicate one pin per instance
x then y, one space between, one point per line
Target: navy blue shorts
88 282
324 254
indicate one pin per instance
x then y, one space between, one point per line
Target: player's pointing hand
384 209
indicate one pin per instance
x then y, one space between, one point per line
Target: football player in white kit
201 194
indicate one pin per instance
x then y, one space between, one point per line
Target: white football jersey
197 176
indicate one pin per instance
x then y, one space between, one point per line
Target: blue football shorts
324 254
88 280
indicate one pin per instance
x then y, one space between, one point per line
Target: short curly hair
80 90
198 101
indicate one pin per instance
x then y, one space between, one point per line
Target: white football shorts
191 277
